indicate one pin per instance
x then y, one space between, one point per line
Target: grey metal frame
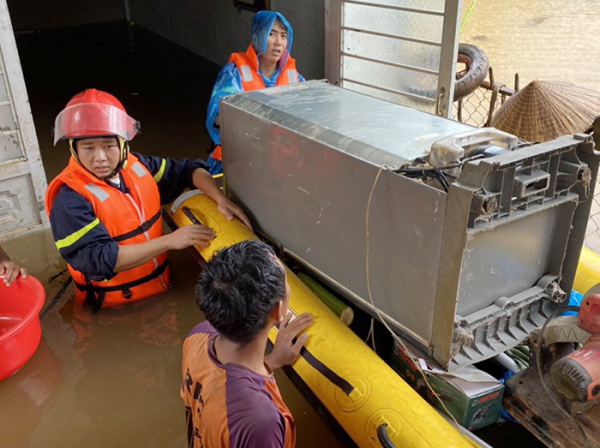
441 103
564 208
463 274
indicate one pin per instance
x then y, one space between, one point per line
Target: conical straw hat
544 110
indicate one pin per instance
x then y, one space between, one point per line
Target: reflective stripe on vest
246 73
292 76
100 194
138 169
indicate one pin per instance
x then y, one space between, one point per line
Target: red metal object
20 330
577 375
589 314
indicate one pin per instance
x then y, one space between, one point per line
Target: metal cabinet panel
464 273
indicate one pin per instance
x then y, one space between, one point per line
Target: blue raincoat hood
262 22
229 81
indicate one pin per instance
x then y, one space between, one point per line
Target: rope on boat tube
378 311
371 334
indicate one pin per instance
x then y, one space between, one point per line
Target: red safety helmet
93 113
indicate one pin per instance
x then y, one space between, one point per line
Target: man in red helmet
105 207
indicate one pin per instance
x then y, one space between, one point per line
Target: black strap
340 382
141 229
95 294
383 437
94 300
190 215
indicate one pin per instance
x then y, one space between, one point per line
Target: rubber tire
476 73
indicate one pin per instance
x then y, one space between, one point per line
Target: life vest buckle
146 226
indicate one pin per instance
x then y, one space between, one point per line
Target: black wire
439 177
444 179
412 169
434 172
522 144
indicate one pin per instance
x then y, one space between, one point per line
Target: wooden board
527 401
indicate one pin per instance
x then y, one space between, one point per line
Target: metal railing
478 108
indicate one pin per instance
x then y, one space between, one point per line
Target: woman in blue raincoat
266 63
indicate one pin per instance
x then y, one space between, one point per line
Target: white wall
215 28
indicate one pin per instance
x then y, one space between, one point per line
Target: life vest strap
141 229
95 293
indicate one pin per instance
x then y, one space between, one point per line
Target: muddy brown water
112 380
545 40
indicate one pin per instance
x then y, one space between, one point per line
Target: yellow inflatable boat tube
588 271
360 390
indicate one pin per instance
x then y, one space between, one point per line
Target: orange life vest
130 218
246 63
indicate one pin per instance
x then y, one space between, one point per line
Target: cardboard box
473 397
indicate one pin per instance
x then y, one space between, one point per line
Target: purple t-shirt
229 405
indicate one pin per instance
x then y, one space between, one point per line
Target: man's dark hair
239 287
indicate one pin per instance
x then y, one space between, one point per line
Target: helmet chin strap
115 172
73 150
123 153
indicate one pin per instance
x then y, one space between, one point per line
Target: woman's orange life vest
247 65
130 218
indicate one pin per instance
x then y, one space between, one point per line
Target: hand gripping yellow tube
356 386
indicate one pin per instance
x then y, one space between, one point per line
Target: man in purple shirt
231 396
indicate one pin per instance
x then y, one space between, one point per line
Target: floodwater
544 40
112 379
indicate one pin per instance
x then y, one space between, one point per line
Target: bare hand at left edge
11 270
230 210
288 344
